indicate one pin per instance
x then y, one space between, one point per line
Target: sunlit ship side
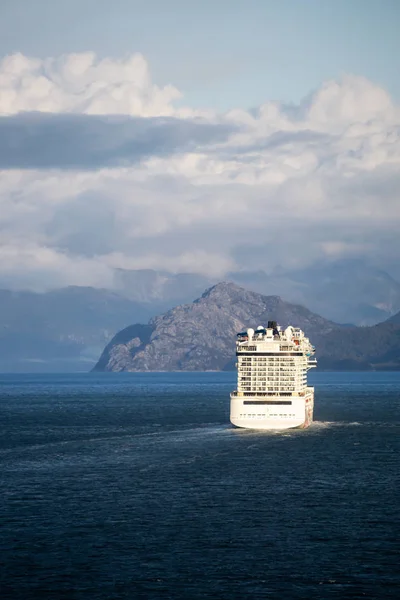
272 390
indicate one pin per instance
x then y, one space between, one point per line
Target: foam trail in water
329 424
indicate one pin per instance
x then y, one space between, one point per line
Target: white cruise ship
272 391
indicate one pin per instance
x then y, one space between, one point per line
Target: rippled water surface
135 486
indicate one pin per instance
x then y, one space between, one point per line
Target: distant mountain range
63 330
67 329
200 336
346 291
362 348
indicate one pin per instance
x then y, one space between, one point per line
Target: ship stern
273 413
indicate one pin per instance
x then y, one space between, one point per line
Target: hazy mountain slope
160 287
346 291
62 330
362 348
394 319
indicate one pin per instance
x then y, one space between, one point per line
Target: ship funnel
250 333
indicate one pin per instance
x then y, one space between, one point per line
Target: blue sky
220 53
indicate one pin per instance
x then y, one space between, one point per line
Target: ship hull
272 412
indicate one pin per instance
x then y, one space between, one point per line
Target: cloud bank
49 141
100 168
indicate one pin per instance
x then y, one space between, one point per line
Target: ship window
273 402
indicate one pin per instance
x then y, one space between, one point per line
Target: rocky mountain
200 336
66 329
61 330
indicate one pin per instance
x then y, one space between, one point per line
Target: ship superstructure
272 390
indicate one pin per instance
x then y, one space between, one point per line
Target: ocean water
136 486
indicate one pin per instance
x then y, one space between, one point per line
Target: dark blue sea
136 486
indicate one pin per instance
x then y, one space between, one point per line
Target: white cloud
353 100
79 83
26 265
292 184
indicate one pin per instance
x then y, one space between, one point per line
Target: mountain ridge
66 329
200 335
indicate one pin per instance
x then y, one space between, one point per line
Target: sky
196 136
220 53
